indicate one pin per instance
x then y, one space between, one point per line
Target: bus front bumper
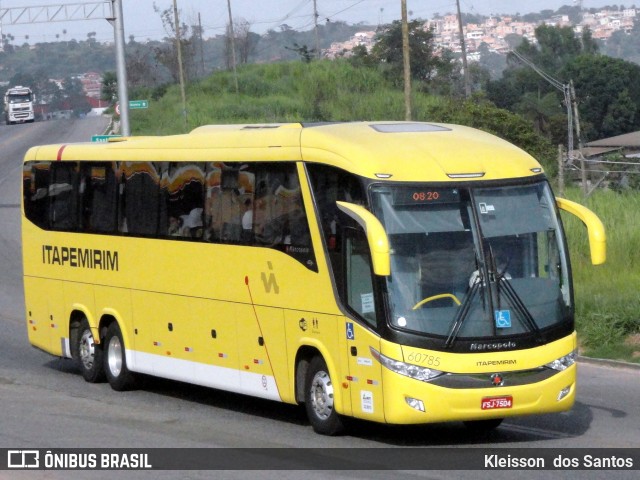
410 401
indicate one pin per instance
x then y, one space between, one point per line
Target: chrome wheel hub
321 395
87 349
114 356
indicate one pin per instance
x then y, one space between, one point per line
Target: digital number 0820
425 196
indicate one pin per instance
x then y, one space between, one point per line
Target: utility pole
572 110
121 68
315 21
201 44
109 10
1 42
406 62
463 48
576 116
233 47
180 69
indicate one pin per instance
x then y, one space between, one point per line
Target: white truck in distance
18 105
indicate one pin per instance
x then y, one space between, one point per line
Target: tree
246 41
388 52
306 54
6 43
608 94
140 69
620 116
360 57
167 53
521 89
556 45
492 62
21 78
623 45
540 109
74 96
513 40
109 87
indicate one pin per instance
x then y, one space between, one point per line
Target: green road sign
138 104
103 138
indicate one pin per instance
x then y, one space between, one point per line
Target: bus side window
36 188
229 202
63 204
279 216
142 198
99 198
185 185
330 185
230 206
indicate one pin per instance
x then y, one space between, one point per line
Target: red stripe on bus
60 152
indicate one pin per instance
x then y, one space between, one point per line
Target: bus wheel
318 399
88 354
483 426
115 360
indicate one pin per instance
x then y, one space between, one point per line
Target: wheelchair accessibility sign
503 318
350 333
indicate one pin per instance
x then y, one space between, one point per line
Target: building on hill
91 84
338 49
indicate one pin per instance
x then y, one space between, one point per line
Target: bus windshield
474 262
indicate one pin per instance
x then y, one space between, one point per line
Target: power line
343 10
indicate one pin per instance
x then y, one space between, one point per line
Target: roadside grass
607 299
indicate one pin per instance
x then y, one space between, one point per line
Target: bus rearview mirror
376 236
595 228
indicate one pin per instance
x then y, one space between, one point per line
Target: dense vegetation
607 300
606 91
323 91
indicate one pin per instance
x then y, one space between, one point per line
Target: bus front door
365 375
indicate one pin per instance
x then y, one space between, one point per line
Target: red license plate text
491 403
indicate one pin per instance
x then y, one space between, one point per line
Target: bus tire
318 399
87 353
115 361
483 426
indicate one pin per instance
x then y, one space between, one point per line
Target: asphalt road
45 403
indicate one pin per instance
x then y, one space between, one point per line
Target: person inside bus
446 268
192 223
175 226
247 221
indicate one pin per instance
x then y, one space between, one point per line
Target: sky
141 21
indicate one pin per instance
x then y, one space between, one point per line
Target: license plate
492 403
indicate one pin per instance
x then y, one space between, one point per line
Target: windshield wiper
463 312
519 305
501 281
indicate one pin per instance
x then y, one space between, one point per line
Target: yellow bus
400 272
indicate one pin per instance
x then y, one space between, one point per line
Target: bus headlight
563 363
407 369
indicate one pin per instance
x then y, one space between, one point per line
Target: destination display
422 195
